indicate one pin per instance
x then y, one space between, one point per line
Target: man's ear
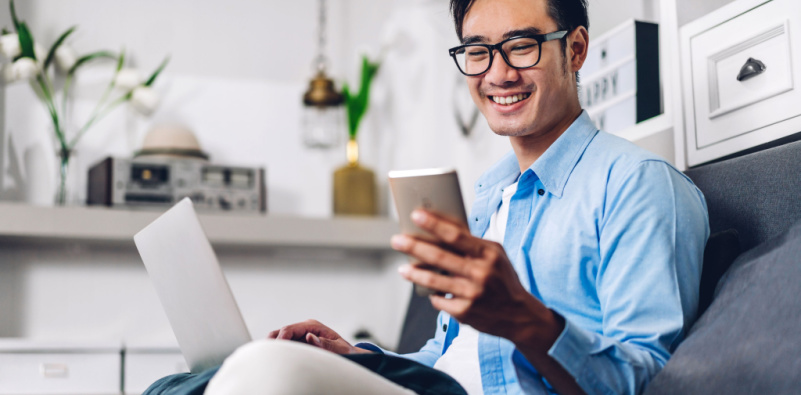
578 42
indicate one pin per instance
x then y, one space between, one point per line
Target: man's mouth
511 99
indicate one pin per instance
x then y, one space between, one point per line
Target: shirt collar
555 165
553 168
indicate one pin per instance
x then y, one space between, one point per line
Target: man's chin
508 130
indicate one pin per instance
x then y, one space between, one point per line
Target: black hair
568 14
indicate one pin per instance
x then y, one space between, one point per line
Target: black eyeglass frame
541 38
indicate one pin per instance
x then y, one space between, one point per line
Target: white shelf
24 223
649 127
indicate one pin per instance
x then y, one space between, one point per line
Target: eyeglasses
519 52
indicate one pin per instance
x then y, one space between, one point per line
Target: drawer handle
54 370
751 68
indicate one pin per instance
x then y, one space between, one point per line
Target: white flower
9 45
65 58
40 52
22 69
128 79
145 100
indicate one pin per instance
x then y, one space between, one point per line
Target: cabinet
41 368
740 64
143 366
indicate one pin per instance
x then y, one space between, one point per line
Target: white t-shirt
460 361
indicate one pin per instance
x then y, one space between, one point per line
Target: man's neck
529 148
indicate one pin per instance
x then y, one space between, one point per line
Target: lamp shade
322 93
323 114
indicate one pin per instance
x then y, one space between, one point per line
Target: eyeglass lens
521 53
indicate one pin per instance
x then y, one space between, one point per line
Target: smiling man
581 267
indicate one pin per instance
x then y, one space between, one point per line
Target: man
581 267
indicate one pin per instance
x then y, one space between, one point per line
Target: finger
455 236
431 254
313 340
273 334
292 332
455 306
435 281
338 347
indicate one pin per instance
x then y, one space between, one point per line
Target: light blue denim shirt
609 236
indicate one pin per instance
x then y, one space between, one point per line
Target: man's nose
500 73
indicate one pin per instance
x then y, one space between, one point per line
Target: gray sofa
747 338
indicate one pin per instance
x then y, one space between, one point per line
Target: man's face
546 89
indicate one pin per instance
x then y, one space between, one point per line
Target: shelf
647 128
100 225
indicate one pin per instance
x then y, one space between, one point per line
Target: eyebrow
511 33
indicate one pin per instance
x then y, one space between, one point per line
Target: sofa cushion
757 194
419 325
721 250
749 340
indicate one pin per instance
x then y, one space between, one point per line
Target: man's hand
486 291
314 333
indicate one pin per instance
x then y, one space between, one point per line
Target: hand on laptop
314 333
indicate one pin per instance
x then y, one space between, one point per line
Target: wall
236 76
690 10
607 14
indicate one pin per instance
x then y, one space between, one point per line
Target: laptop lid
190 284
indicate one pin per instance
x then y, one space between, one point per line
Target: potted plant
354 185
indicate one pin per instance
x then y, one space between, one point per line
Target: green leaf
14 15
91 56
52 53
357 104
157 72
5 31
121 60
25 42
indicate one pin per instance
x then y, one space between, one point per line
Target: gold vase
354 186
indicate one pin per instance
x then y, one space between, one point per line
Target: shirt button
476 219
444 327
541 192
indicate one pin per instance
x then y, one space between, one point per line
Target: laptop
190 284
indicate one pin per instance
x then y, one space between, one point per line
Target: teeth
506 100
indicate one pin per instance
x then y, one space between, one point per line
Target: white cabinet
35 368
143 366
740 65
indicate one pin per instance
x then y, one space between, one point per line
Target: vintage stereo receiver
141 182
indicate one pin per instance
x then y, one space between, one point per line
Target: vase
38 182
354 186
66 178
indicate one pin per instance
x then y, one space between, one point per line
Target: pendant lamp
323 114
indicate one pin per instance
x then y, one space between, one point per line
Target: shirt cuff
571 348
370 347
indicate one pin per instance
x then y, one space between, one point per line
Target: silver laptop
191 286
